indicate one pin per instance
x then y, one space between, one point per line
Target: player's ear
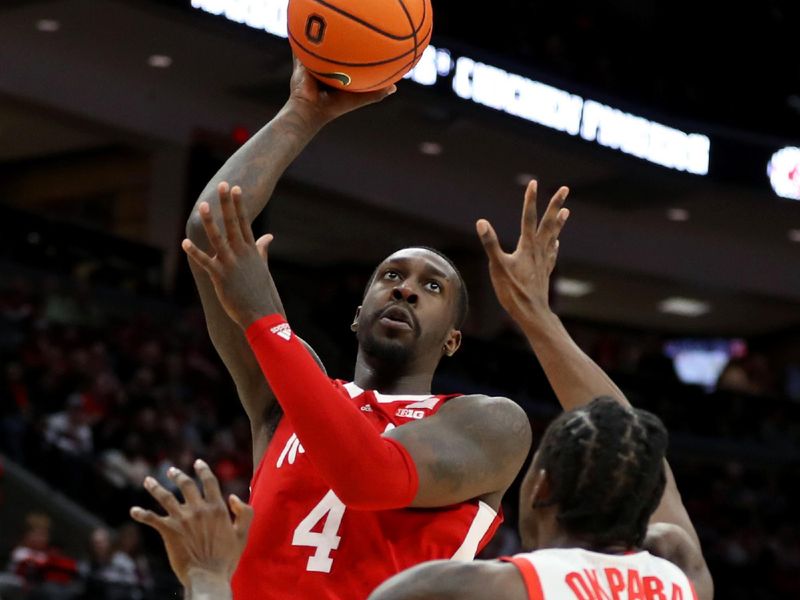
452 343
354 324
541 491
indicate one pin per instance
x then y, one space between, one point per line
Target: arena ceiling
89 84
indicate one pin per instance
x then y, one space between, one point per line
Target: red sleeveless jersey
305 544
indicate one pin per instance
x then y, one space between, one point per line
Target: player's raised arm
256 167
521 282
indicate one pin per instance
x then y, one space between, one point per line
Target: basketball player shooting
356 481
599 504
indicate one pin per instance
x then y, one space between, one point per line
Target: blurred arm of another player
203 543
521 282
257 166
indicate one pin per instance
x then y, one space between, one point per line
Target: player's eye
391 275
434 286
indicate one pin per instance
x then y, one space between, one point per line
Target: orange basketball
359 45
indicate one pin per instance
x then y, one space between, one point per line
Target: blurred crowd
93 398
114 568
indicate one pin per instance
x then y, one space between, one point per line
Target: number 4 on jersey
331 509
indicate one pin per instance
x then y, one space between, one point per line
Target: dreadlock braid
606 463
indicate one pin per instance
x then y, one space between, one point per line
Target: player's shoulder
495 413
455 580
485 403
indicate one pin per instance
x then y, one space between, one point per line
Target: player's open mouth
396 318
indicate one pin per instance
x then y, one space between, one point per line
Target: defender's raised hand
203 543
521 279
238 266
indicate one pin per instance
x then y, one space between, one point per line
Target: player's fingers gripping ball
359 45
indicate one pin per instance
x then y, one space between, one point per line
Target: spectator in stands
129 541
47 573
68 431
15 412
69 440
111 572
126 466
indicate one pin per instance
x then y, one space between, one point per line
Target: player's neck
565 540
408 380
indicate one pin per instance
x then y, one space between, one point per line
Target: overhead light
678 214
48 25
160 61
783 171
524 179
794 235
431 148
684 307
574 288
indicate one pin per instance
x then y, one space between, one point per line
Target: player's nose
403 291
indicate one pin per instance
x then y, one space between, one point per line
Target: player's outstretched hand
203 543
238 267
521 279
321 104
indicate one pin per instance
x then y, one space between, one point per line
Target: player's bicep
472 447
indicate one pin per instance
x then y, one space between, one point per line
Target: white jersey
575 574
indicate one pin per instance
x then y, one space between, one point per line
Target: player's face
409 309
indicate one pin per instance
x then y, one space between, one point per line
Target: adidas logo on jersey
283 331
366 408
407 413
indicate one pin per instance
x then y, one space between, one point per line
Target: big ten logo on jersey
416 410
407 413
613 584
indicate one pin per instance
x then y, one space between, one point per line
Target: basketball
359 45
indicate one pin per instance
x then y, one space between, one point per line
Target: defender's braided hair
606 467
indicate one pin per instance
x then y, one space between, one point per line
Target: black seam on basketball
422 21
368 25
405 66
411 24
379 85
348 64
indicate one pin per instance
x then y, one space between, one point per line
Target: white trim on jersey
354 391
428 404
480 525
